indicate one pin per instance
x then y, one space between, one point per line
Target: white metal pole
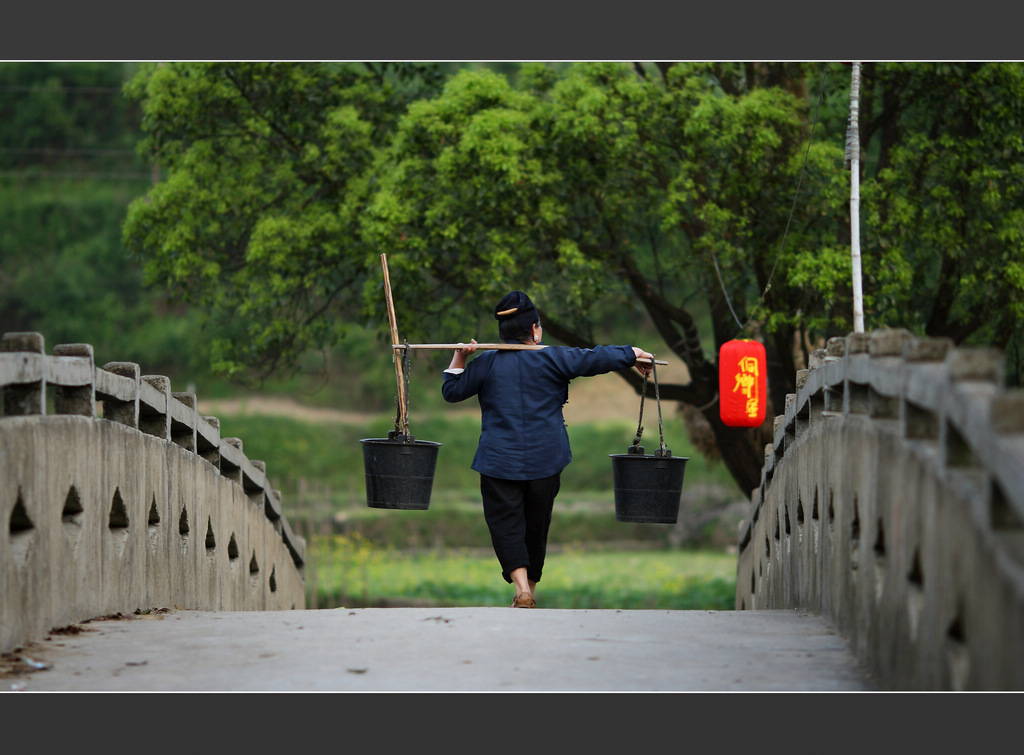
853 159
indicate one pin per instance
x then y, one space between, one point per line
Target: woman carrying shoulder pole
524 445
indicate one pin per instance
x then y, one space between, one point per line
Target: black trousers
518 514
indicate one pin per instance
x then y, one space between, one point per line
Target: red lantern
742 383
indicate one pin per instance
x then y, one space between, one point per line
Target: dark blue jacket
521 393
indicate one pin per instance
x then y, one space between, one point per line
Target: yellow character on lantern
746 382
749 365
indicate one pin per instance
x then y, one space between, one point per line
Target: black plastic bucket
399 471
647 487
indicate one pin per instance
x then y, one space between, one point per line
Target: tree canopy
708 200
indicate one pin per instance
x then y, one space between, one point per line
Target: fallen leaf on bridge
18 664
70 629
152 613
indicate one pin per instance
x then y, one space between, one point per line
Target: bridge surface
487 649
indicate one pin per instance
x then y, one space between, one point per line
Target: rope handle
636 448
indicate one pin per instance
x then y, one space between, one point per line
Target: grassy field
360 556
353 572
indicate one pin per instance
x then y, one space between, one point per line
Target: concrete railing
892 502
137 506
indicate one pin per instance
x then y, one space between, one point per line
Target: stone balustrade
119 497
892 502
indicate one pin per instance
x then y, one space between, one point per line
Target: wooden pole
493 346
402 423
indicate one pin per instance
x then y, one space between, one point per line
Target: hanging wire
657 396
792 209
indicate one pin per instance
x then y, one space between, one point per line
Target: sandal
524 600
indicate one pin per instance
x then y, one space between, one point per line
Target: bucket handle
636 449
402 400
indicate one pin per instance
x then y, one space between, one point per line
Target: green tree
258 221
707 201
945 208
68 170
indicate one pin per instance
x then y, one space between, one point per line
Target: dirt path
281 406
602 397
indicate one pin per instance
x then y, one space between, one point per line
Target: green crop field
362 556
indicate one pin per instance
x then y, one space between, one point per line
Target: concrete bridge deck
486 649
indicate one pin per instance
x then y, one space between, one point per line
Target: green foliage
257 222
946 233
65 276
278 199
352 572
66 115
68 170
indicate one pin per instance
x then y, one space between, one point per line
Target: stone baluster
25 389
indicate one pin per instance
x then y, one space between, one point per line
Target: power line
63 151
75 175
65 89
